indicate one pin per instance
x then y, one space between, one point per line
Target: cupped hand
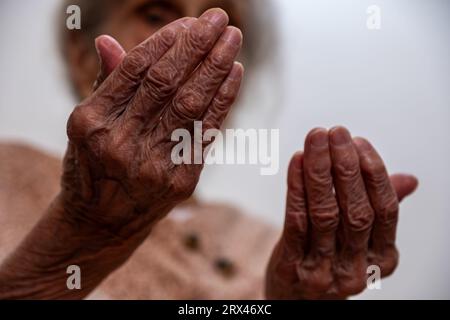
118 172
341 217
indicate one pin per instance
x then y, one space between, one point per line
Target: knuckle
188 103
295 226
165 39
352 276
132 67
152 49
321 283
218 64
325 250
80 122
225 98
161 80
315 281
319 172
387 260
360 216
325 219
348 168
295 202
387 213
316 275
200 37
353 286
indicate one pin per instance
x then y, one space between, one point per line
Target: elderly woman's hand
118 168
118 178
341 217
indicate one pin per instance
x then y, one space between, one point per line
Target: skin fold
119 181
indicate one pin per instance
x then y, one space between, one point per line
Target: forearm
37 269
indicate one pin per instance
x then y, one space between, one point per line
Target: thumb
110 54
404 185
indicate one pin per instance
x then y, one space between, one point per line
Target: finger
323 210
110 54
356 213
224 99
385 202
117 90
126 78
382 196
404 185
194 97
296 221
165 77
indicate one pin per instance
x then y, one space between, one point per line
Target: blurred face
133 21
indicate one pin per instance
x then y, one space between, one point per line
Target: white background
391 86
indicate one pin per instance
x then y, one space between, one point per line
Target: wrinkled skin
341 216
119 179
118 167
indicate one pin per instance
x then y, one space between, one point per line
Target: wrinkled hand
341 217
118 172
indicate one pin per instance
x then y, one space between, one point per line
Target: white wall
391 86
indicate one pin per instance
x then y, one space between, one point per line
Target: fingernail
233 36
319 138
216 16
340 136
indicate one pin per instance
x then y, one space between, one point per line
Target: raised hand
118 168
119 178
341 217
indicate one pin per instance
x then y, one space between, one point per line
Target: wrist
113 220
106 206
38 267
